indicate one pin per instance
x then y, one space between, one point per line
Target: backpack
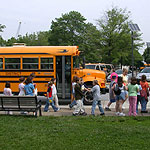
143 94
117 90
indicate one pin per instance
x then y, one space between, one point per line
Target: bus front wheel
88 98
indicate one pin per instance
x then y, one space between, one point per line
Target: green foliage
116 37
2 27
2 41
109 42
91 44
146 55
11 41
68 29
35 39
71 29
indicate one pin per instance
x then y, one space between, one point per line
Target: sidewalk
66 111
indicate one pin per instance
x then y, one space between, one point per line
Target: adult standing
124 76
29 87
114 74
125 82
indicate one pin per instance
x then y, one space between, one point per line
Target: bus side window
47 63
1 63
12 63
30 63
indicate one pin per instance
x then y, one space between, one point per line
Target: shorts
126 93
112 100
73 94
121 96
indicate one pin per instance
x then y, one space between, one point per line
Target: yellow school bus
46 62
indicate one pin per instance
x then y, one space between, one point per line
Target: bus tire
88 98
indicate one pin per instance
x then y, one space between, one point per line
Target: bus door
63 76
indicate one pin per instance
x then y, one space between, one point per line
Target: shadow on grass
19 115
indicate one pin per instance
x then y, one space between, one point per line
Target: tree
2 41
72 29
35 39
91 44
11 41
68 29
2 27
116 37
146 55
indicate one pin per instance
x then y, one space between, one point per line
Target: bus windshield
89 66
76 61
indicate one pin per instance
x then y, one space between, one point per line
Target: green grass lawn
74 133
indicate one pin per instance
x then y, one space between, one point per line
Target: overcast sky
36 15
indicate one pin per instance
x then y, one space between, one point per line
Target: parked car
107 68
119 72
146 72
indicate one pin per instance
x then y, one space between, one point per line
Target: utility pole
133 28
148 47
18 30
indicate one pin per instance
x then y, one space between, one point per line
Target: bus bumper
104 90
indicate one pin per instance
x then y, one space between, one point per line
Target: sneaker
144 111
121 114
76 114
58 109
70 106
107 109
83 114
117 113
93 115
46 110
102 114
24 112
123 108
10 112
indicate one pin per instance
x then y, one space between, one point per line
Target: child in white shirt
54 92
21 86
8 92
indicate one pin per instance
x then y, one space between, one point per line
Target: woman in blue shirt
29 87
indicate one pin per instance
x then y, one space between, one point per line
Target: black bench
20 103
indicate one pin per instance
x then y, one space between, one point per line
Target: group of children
24 89
121 89
52 98
78 90
28 88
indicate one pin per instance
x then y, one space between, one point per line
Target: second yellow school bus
46 62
